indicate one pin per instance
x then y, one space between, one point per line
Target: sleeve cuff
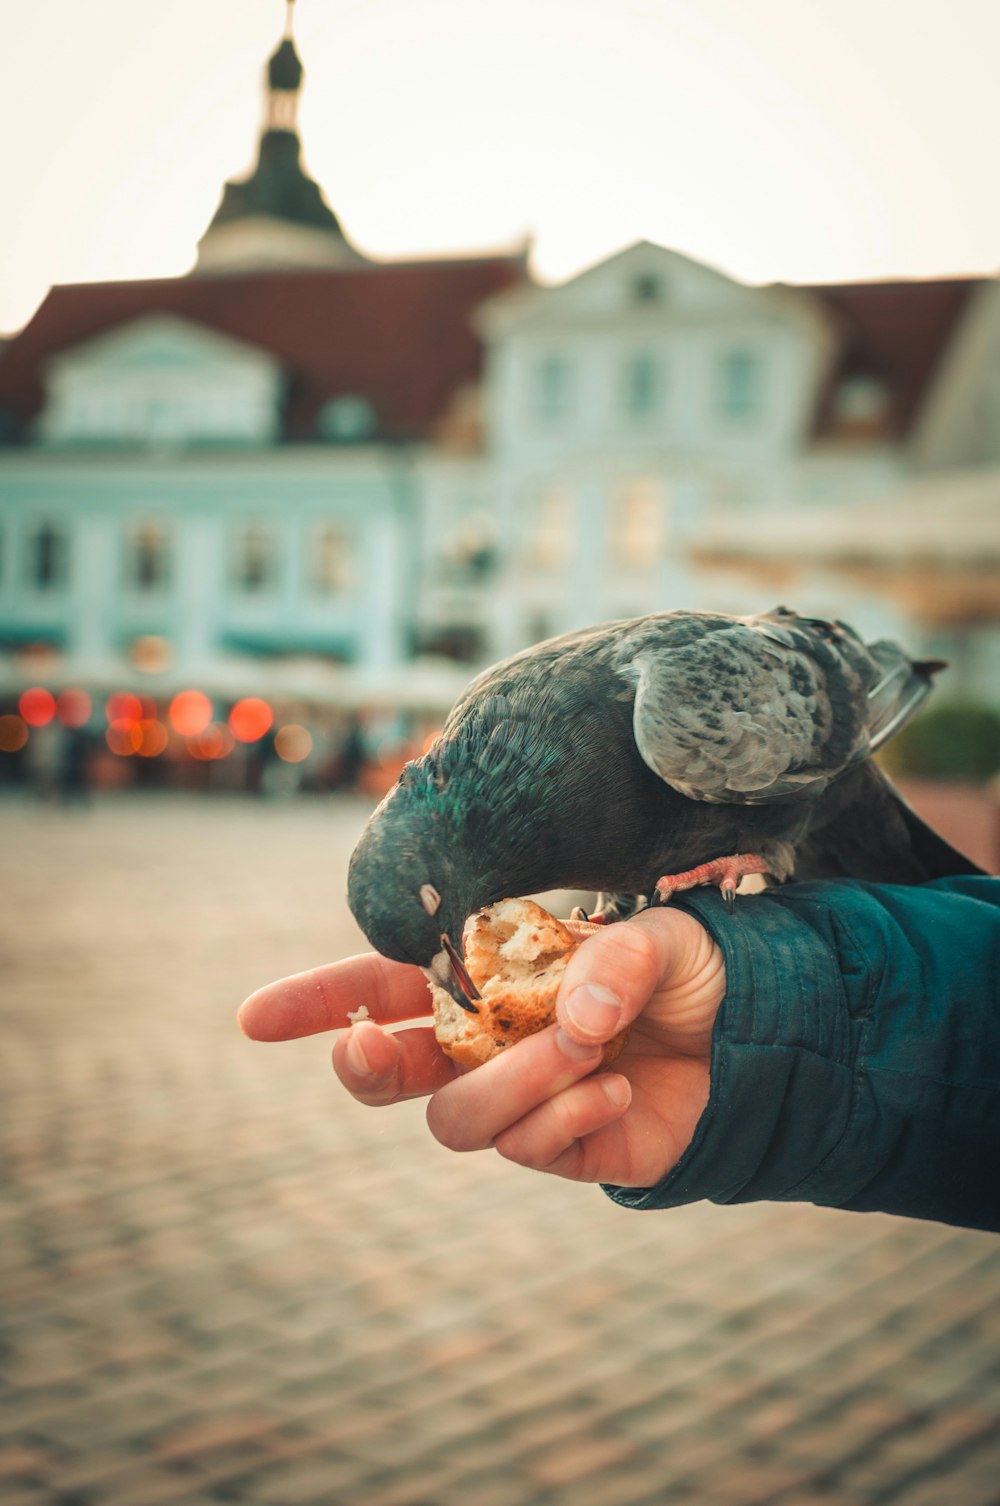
782 1053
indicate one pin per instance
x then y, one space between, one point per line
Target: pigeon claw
597 919
725 872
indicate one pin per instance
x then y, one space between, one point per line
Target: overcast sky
796 140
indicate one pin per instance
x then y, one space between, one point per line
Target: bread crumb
361 1013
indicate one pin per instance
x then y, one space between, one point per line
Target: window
740 384
643 384
552 388
348 419
48 557
331 560
547 536
646 287
861 401
148 564
256 559
461 641
640 524
471 551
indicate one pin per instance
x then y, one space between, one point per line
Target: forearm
856 1055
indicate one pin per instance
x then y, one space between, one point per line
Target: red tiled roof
399 335
897 332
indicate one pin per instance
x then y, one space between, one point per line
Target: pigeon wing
751 710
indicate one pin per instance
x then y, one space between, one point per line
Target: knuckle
448 1127
641 945
630 956
568 1114
511 1146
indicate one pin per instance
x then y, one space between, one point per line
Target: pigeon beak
449 972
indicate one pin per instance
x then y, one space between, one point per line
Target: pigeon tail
870 832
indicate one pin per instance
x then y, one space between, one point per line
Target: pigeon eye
430 898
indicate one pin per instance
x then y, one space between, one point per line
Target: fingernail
594 1010
573 1049
356 1058
618 1090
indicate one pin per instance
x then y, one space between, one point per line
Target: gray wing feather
750 712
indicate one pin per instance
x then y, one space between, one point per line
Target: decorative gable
644 284
160 379
652 351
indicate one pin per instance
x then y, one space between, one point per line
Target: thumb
614 973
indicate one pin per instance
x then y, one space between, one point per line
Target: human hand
538 1103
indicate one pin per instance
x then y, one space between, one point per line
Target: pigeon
642 757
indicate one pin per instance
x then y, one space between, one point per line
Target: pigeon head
407 885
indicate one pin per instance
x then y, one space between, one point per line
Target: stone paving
223 1281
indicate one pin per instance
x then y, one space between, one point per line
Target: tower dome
277 217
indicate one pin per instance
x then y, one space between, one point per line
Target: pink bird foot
726 872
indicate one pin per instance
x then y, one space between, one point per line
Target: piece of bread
516 954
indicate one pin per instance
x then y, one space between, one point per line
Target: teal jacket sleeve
856 1056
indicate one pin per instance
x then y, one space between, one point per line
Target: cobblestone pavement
223 1281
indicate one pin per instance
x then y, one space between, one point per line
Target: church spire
277 217
284 80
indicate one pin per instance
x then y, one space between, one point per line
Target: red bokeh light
37 706
250 719
123 706
73 708
214 741
150 738
190 712
122 736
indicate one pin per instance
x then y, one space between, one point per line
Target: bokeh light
123 706
37 706
293 743
122 735
13 733
73 708
250 719
150 737
213 741
151 653
190 712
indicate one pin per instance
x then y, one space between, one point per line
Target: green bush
957 740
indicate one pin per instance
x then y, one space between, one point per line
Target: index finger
322 998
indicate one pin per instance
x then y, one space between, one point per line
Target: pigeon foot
726 872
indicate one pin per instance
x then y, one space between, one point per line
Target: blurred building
299 471
205 476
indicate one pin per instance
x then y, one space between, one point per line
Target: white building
650 419
298 469
211 476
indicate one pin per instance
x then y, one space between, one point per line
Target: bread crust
516 954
